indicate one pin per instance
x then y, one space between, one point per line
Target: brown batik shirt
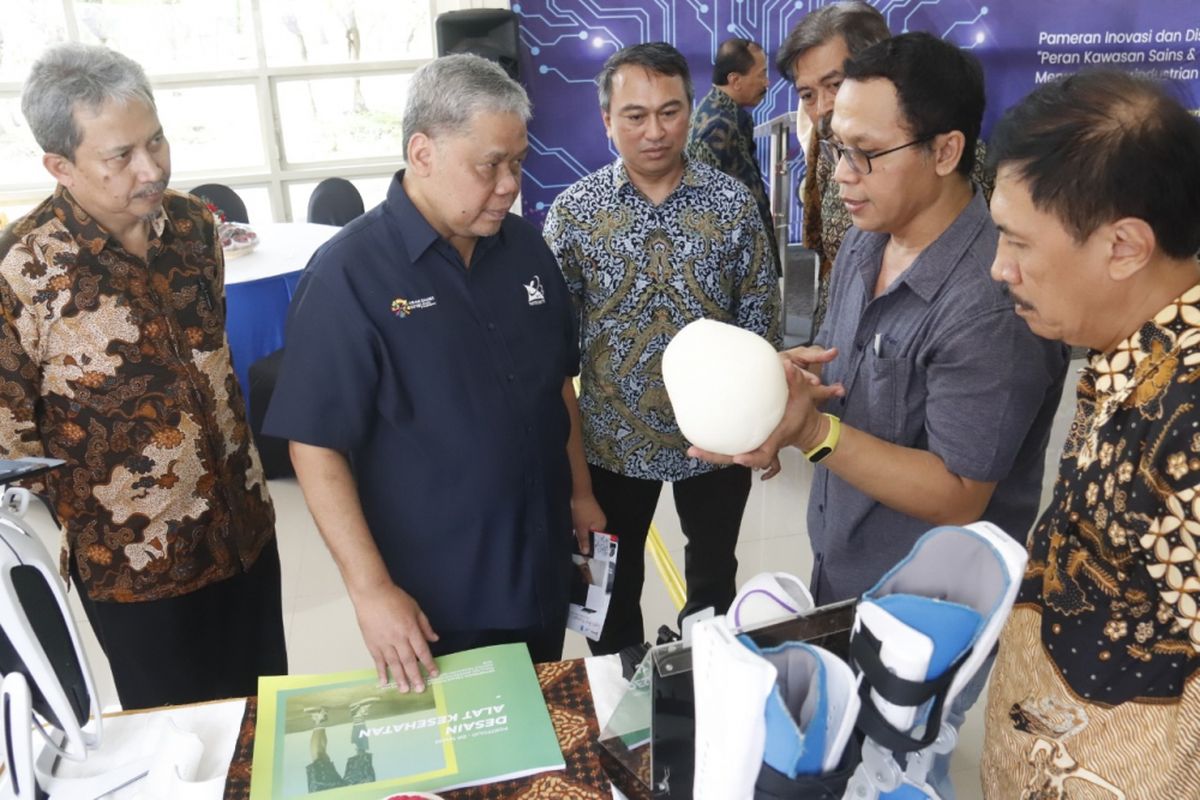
121 367
1096 688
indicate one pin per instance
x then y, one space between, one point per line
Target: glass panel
323 32
19 153
258 203
29 27
373 191
212 127
257 199
167 36
340 118
12 210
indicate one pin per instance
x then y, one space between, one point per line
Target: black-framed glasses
858 160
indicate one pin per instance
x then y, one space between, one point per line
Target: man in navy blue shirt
426 390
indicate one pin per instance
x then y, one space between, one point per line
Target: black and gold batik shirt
120 367
722 136
638 273
1096 690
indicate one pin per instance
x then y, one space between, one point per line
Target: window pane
258 203
12 210
167 36
321 32
373 191
19 153
256 198
212 127
28 28
340 118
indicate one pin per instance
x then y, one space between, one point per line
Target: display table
565 686
259 287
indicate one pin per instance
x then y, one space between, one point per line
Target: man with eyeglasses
811 58
937 403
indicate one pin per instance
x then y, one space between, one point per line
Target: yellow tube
676 588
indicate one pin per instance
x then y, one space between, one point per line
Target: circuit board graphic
564 44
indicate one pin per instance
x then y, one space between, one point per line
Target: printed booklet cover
344 737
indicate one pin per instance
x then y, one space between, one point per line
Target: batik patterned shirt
120 367
638 273
1096 690
722 136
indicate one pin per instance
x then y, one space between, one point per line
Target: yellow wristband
829 443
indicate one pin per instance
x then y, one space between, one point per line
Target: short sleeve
330 372
557 233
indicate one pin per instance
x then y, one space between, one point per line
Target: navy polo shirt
443 386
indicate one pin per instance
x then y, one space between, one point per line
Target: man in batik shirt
113 358
722 133
1096 690
648 244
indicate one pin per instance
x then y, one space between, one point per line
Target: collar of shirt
723 101
692 177
91 235
1116 373
937 262
417 233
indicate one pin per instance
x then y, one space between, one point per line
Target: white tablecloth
283 247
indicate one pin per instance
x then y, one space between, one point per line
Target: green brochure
344 737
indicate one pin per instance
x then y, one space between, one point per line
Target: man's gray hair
74 76
445 94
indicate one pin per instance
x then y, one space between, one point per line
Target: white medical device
47 686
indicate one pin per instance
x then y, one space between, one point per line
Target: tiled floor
773 537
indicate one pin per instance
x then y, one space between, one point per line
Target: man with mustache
722 132
648 244
1096 691
115 360
938 402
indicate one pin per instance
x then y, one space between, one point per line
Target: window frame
265 79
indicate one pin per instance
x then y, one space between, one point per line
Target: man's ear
60 168
948 151
607 117
420 154
1131 243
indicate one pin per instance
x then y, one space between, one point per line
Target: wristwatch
829 443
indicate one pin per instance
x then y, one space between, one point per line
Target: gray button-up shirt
938 362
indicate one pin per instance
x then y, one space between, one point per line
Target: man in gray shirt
937 400
937 403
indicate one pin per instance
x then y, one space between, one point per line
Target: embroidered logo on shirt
402 308
537 296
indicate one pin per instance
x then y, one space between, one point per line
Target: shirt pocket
888 381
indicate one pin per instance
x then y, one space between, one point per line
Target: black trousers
206 645
710 510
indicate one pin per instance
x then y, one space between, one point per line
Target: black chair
335 201
225 199
272 450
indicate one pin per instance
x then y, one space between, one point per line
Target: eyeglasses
859 161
